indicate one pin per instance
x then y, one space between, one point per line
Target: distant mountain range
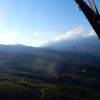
4 53
86 45
31 70
61 55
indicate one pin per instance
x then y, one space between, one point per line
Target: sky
35 22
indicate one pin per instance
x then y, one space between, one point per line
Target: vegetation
67 86
45 65
26 77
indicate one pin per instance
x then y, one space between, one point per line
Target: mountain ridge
61 55
86 45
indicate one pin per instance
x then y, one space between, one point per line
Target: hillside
85 45
61 55
16 85
4 53
46 65
27 76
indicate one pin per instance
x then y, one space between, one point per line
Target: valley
24 76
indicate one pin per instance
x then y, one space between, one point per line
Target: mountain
73 42
71 49
74 49
46 65
4 53
28 74
16 85
87 44
61 55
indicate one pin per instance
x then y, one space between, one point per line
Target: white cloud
34 34
74 33
6 38
9 35
3 40
13 34
91 33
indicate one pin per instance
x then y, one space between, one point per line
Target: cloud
13 34
9 35
91 33
34 34
6 38
74 33
3 40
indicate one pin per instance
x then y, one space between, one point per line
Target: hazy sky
34 22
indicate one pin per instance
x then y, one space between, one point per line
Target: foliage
31 78
42 65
